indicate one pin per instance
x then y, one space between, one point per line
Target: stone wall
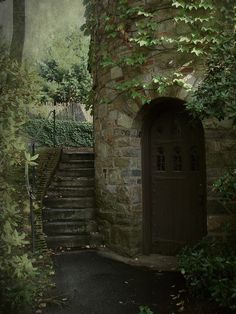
118 125
220 157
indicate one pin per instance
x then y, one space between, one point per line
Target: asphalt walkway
98 285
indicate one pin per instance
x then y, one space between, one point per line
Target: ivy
205 24
68 133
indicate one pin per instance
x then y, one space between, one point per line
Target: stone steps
68 241
75 164
74 241
72 156
69 227
72 182
70 192
83 172
75 202
69 204
64 214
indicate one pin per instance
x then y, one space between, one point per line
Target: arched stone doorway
174 178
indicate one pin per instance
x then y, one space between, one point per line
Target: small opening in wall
105 173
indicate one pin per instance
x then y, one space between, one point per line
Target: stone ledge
153 261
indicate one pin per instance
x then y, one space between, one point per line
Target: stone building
154 164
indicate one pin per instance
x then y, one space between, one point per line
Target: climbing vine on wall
198 32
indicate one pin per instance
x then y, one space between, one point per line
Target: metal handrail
31 187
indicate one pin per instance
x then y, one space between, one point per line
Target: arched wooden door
176 181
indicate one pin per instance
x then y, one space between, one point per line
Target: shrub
68 133
210 271
20 280
145 310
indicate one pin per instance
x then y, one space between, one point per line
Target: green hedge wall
68 133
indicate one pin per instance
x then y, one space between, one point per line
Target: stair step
60 181
75 202
84 172
69 192
69 241
69 156
69 227
76 164
74 241
68 215
62 214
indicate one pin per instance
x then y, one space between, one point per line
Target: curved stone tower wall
118 125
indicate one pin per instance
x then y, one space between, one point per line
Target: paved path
98 285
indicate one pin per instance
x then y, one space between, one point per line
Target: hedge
68 133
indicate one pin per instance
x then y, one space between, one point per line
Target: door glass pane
161 160
176 129
177 159
194 159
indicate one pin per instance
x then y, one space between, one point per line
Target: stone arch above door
174 180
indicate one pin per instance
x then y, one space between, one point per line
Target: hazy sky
43 19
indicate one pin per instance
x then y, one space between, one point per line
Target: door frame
155 108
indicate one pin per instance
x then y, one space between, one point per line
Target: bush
145 310
210 271
21 276
68 133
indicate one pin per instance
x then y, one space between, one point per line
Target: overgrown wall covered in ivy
134 61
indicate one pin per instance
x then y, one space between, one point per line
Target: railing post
32 193
54 124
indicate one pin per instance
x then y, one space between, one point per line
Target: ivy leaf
196 51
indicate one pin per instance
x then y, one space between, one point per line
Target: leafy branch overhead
200 34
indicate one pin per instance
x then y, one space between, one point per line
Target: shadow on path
98 285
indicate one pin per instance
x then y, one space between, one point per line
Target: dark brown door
177 179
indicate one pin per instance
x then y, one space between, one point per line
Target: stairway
69 204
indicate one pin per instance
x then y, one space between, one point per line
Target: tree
64 69
18 37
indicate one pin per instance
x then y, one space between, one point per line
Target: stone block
128 152
122 162
126 240
104 228
136 173
113 115
217 223
135 193
122 141
124 120
214 207
116 73
114 176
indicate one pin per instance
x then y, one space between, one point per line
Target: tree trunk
18 37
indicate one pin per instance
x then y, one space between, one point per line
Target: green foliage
64 69
145 310
216 95
68 133
207 39
226 186
19 278
210 271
